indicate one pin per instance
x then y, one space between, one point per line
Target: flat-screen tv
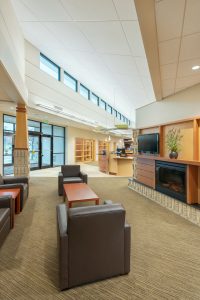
148 143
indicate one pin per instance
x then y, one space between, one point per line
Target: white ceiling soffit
178 27
97 41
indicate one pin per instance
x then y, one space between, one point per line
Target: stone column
21 151
135 151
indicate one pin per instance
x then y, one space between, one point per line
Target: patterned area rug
165 256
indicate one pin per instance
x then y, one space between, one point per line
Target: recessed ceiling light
195 67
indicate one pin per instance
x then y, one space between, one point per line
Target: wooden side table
15 194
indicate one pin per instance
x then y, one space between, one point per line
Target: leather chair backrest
70 170
1 180
96 243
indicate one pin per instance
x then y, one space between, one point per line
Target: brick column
21 152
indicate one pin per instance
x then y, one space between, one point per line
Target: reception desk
121 166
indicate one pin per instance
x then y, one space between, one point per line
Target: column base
21 162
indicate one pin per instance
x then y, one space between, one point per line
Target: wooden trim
21 109
161 140
177 161
195 139
21 149
192 184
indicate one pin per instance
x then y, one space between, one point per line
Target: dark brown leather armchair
70 174
6 216
93 243
13 182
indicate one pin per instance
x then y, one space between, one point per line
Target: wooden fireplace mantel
146 174
177 161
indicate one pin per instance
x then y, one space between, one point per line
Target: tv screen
148 143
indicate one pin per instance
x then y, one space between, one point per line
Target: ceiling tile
185 82
106 37
70 35
185 68
190 47
133 35
47 10
121 64
168 71
142 66
147 85
191 22
169 51
22 11
168 86
169 18
90 10
38 35
126 9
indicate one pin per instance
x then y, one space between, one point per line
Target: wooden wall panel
149 130
187 147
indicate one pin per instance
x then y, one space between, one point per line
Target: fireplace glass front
171 179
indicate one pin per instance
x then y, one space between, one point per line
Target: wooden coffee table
15 194
79 192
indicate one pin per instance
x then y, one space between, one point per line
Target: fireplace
171 179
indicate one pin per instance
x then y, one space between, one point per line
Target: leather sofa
93 243
12 182
6 216
70 174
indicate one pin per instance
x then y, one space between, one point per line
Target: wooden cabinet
103 146
84 150
146 172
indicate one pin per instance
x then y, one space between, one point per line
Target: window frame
74 79
54 64
84 87
96 97
103 101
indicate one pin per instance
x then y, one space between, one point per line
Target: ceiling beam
147 21
8 87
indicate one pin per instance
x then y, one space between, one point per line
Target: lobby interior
84 83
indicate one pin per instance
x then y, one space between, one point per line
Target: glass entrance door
46 145
34 151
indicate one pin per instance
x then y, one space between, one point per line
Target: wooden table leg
12 214
17 204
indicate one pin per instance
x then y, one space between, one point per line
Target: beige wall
72 133
182 105
12 52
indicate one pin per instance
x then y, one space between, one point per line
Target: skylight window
102 104
84 92
94 98
70 81
49 67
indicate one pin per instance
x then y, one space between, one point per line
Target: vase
173 154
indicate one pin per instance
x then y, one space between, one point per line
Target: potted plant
173 141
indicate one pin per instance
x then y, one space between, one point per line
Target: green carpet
165 256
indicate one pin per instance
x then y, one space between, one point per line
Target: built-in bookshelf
84 150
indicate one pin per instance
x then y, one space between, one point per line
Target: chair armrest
127 247
107 202
84 177
60 183
62 219
15 179
12 186
62 238
6 202
60 174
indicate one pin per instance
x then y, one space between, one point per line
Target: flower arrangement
173 142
